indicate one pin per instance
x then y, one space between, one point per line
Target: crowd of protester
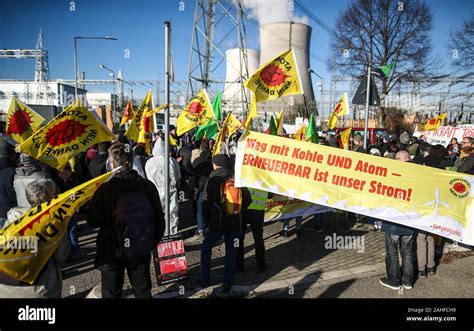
137 193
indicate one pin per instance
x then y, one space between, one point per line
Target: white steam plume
272 11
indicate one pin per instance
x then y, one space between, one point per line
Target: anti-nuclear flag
28 243
71 132
342 108
429 199
432 123
229 127
197 112
128 113
252 113
22 121
279 123
301 133
276 78
140 123
345 135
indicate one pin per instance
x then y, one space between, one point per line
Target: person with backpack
222 213
128 211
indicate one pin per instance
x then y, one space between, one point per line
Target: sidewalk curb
315 279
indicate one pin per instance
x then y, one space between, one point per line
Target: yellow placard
71 132
41 230
421 197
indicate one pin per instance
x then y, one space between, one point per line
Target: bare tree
462 44
380 32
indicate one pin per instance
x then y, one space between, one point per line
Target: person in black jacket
202 167
7 173
101 214
97 164
221 224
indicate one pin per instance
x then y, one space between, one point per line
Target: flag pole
167 124
367 100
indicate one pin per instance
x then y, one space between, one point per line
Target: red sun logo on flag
65 132
19 122
195 108
432 121
272 75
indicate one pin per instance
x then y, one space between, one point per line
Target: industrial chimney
275 38
233 88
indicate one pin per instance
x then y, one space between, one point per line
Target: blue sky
138 25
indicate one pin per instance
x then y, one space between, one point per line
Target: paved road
453 280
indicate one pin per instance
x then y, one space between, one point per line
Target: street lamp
112 73
75 57
311 71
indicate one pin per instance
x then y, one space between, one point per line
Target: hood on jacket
159 148
28 170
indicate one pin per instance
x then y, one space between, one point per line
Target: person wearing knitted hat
7 173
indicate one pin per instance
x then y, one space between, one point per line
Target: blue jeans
72 235
210 240
199 215
396 276
298 221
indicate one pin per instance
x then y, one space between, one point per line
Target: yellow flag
22 121
42 227
219 141
252 113
233 124
71 132
172 141
141 125
342 108
301 133
279 123
276 78
345 135
128 113
432 123
229 127
197 112
154 111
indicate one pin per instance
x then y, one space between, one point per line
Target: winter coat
7 192
23 177
203 167
211 211
103 204
49 282
97 165
155 172
467 165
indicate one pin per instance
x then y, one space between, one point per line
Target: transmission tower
42 72
217 24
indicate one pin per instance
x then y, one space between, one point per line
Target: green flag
384 71
311 134
272 129
217 106
210 130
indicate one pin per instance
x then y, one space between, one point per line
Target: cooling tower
275 38
232 94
